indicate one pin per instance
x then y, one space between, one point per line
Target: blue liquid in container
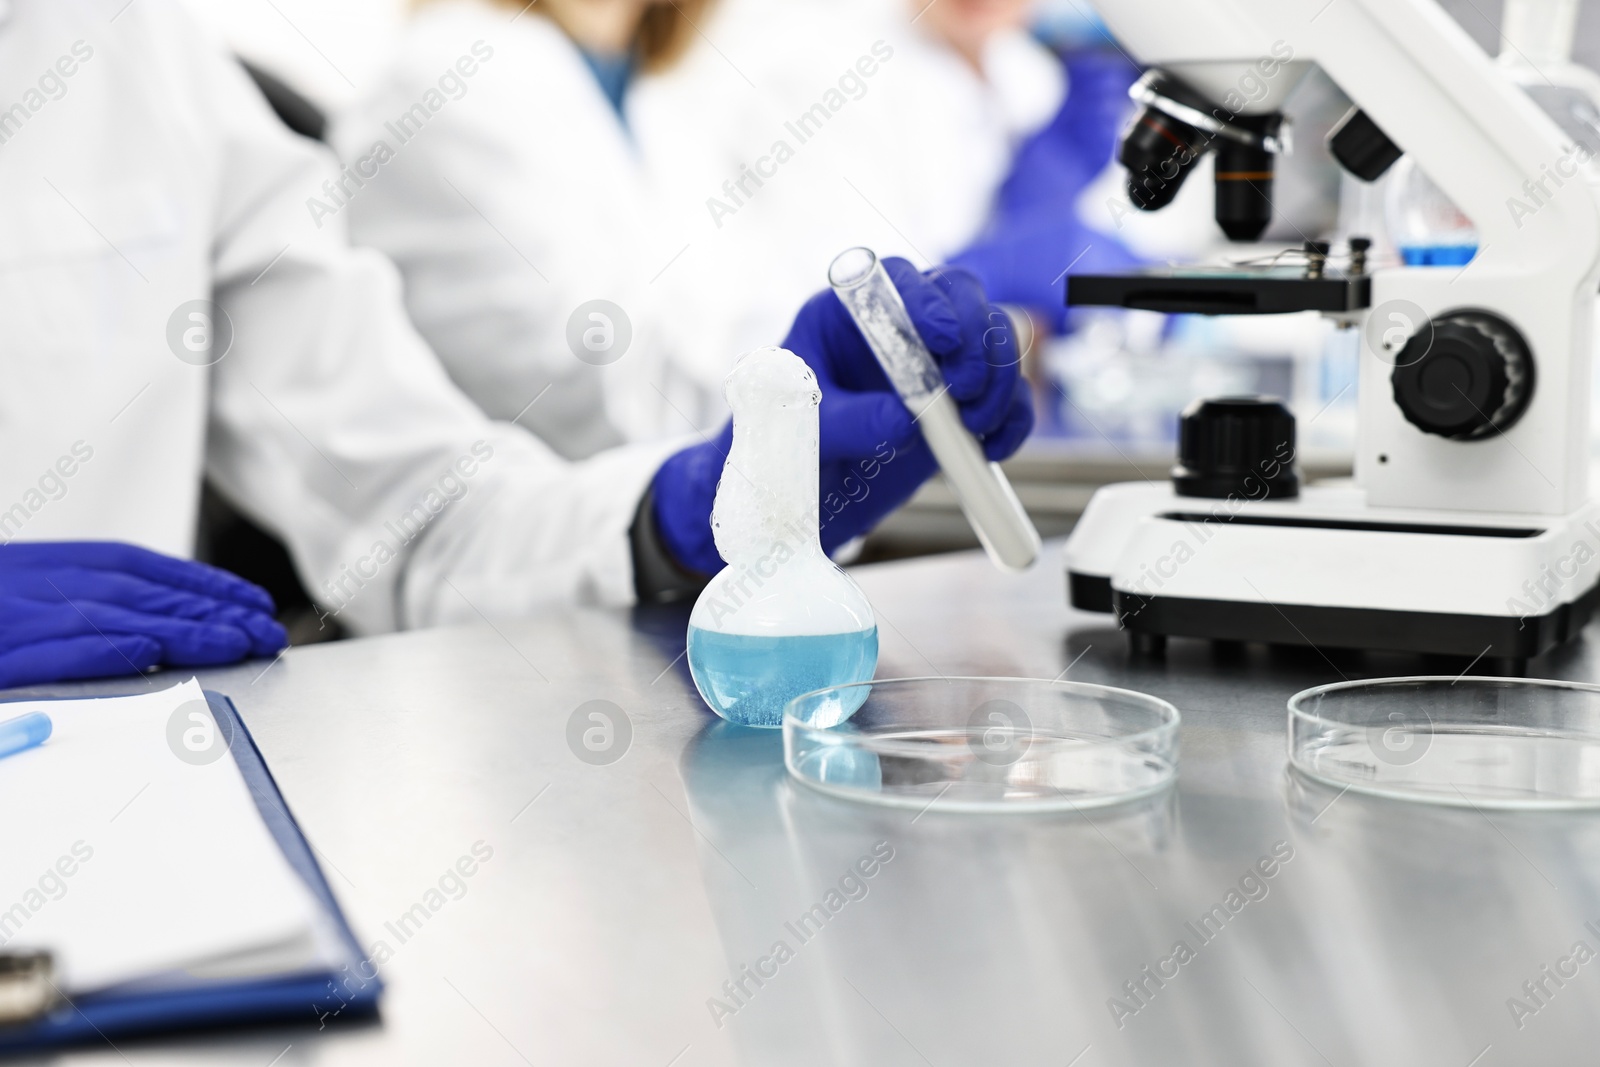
747 680
1438 255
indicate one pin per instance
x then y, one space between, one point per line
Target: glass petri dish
981 744
1470 742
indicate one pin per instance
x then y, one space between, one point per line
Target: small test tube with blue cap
24 732
981 487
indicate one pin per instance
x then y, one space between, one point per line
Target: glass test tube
981 488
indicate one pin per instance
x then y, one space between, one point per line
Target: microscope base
1326 571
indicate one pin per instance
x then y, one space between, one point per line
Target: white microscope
1469 530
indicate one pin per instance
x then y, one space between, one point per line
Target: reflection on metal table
686 905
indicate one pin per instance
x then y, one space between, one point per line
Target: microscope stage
1222 291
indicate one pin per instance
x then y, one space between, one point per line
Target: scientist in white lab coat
615 170
534 143
177 305
922 108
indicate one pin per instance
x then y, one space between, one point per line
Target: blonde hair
664 33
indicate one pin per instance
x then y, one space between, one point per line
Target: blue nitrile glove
97 608
1060 160
872 455
1027 264
1034 234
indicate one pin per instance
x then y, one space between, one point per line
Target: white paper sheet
126 856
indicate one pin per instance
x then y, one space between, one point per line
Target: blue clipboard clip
27 986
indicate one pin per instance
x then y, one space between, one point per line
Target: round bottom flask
782 618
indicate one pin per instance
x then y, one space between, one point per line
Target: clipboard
350 989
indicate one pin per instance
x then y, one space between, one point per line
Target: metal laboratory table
620 898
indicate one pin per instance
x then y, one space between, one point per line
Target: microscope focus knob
1467 379
1236 446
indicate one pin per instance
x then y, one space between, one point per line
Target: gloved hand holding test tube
981 487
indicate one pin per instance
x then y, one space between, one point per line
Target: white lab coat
527 196
521 200
157 177
908 163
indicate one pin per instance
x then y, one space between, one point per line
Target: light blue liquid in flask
782 618
748 679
